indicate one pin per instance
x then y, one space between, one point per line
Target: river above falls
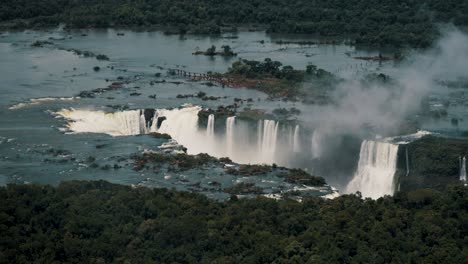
37 82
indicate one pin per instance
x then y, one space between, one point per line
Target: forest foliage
370 22
434 162
100 222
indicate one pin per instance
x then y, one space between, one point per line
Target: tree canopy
370 22
99 222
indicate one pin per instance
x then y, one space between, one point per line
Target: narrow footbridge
207 77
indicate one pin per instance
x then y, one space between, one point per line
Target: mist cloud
382 106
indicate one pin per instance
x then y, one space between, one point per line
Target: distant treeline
99 222
370 22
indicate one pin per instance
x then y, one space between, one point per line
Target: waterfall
296 141
183 126
115 124
376 169
269 140
143 128
316 144
210 126
407 161
259 134
463 169
230 122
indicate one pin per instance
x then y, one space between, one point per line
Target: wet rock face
160 120
149 114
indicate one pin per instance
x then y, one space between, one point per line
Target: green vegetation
160 135
291 176
267 69
434 163
300 176
279 81
250 170
102 57
284 113
244 189
371 22
180 161
211 51
99 222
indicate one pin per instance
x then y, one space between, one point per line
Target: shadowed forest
393 23
99 222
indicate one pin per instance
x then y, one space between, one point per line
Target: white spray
210 126
316 148
269 140
230 124
376 170
463 169
296 141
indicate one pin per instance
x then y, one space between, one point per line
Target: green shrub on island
102 57
301 176
211 51
225 160
180 161
279 81
250 170
160 135
267 69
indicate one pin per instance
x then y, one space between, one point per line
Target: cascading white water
259 134
374 177
230 123
463 169
296 140
210 126
269 141
181 124
407 162
142 123
316 148
115 124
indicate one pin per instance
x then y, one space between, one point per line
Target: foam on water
37 101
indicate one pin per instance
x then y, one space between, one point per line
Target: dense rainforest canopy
370 22
99 222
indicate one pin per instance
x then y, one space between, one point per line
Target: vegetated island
311 86
376 23
276 80
211 51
